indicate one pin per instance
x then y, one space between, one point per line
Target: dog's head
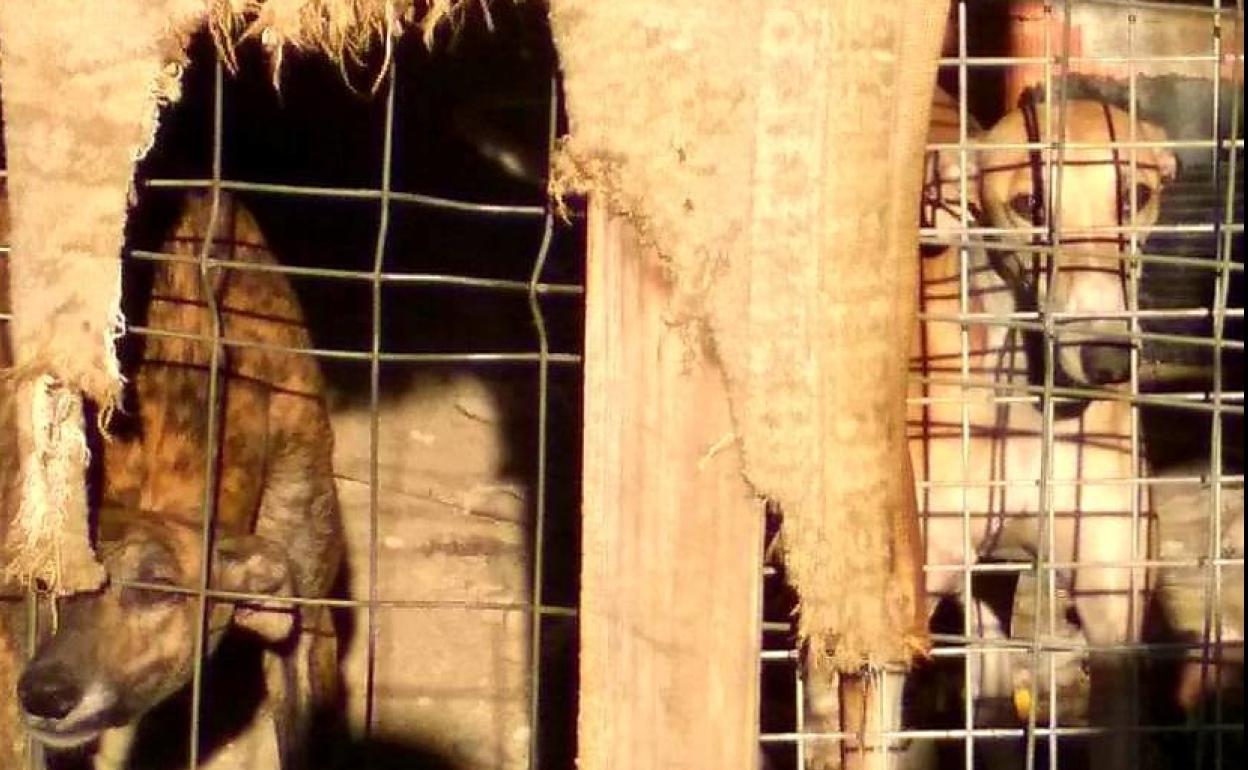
119 651
1103 197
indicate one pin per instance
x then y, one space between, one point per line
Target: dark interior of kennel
477 85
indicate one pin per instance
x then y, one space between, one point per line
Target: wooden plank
672 536
12 736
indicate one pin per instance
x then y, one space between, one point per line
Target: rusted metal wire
208 509
535 290
1201 390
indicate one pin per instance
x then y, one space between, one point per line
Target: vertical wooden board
12 736
672 535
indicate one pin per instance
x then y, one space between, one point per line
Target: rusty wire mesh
1198 240
540 358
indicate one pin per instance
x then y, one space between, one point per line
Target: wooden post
672 553
12 734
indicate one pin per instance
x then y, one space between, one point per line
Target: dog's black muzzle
1105 363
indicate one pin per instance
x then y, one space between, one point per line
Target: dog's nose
49 691
1105 364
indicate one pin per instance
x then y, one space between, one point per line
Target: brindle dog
276 528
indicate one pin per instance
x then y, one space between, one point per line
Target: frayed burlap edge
342 30
576 170
663 158
45 536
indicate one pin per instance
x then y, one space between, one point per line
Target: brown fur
277 526
274 414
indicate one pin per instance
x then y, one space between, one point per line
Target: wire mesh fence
1027 467
1007 683
412 293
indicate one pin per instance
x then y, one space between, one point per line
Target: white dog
978 447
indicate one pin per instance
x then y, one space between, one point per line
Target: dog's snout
50 691
1105 364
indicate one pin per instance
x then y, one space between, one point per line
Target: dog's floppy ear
952 171
254 565
1167 162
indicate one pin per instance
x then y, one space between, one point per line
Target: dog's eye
134 596
1024 205
156 575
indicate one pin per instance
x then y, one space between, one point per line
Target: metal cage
382 203
1184 316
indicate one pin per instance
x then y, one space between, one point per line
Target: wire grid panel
1026 440
541 359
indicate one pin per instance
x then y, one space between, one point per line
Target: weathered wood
777 170
672 536
12 737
